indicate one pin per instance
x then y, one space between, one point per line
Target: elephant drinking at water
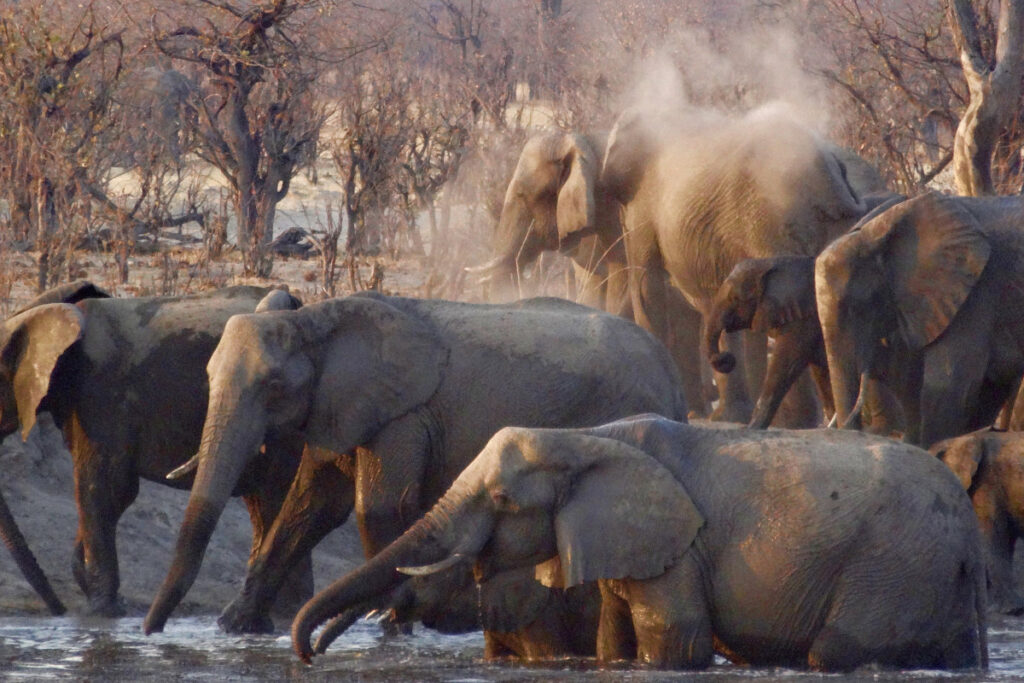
412 389
823 549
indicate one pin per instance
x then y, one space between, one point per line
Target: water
71 648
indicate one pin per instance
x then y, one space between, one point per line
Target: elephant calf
990 465
776 296
772 547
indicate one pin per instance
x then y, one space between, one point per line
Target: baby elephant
990 465
776 296
772 547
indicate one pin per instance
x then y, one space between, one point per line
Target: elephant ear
512 600
963 455
377 364
574 212
609 530
33 342
936 251
787 293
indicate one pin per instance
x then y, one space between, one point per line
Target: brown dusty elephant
990 465
556 202
413 388
776 295
125 381
702 193
929 288
770 547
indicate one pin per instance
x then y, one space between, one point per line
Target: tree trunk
994 91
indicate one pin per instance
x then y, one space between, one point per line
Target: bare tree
258 121
994 86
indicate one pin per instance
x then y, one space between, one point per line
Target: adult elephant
125 381
700 194
413 388
990 466
927 288
829 561
556 202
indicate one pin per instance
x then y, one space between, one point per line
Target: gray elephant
413 389
700 194
990 466
125 381
925 289
772 547
776 295
555 201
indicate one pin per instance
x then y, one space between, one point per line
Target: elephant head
533 495
896 281
549 204
760 294
338 371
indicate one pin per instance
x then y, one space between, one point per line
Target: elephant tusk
188 467
832 423
859 405
428 569
485 268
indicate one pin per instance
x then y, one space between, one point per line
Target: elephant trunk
26 561
226 449
432 541
717 324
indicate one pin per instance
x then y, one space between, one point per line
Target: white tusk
179 472
832 423
428 569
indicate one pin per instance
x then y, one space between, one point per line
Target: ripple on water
69 648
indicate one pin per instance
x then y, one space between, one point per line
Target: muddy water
33 649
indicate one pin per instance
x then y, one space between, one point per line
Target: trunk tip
723 362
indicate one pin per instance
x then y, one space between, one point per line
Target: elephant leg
1015 419
800 408
103 491
320 499
755 346
788 360
823 384
684 323
590 287
616 639
991 398
950 386
671 618
734 403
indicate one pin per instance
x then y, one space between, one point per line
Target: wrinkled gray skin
928 287
990 466
413 389
776 295
783 548
555 201
702 193
124 380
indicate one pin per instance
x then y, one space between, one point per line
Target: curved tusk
493 264
179 472
832 423
427 569
859 405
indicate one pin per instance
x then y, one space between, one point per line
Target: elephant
26 560
776 295
124 379
701 193
554 201
412 388
772 547
990 466
921 290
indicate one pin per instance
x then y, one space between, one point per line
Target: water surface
74 648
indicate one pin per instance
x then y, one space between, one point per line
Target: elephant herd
528 468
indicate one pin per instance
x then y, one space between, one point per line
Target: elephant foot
108 609
237 620
736 411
